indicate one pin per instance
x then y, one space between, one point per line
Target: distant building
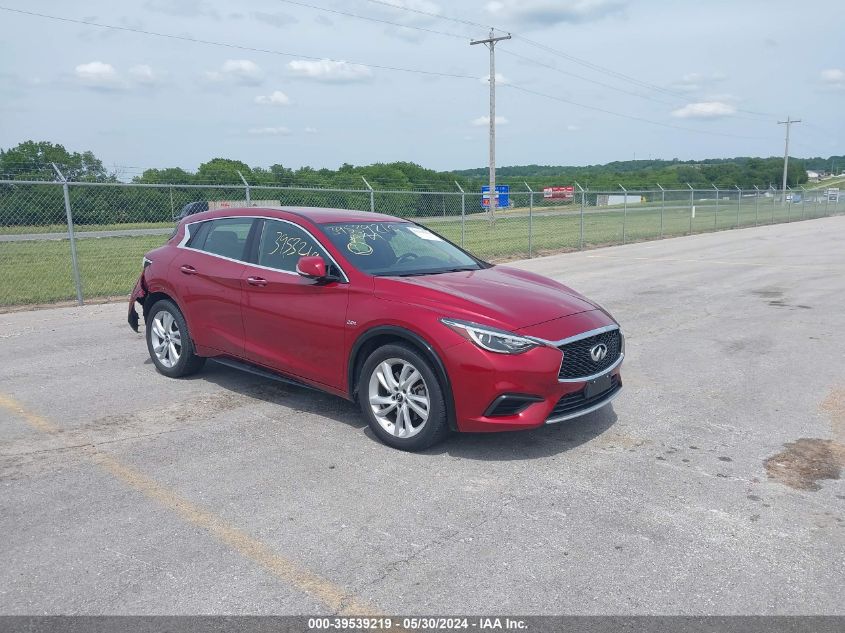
812 176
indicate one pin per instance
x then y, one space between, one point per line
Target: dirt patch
834 406
803 463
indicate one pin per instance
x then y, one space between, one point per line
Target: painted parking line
335 597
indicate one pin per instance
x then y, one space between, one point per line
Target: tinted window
225 237
397 248
283 243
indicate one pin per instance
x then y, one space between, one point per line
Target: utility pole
788 123
490 43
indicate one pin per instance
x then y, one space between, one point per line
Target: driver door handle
188 270
256 281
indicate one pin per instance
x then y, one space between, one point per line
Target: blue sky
693 79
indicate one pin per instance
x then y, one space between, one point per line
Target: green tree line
35 204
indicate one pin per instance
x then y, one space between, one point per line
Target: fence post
172 210
756 205
691 206
803 201
774 202
71 237
624 212
662 208
738 203
789 202
246 189
716 214
372 196
581 230
463 212
530 216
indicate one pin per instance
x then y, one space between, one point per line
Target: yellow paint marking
34 420
333 596
709 261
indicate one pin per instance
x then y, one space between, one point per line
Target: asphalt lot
710 487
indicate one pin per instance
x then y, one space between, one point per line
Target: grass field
40 271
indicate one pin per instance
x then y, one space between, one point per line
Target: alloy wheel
399 397
166 338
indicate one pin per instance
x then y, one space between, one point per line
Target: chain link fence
84 241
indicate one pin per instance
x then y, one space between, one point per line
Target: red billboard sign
559 192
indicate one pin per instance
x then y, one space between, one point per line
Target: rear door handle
256 281
188 270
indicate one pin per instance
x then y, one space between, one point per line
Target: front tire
402 399
169 342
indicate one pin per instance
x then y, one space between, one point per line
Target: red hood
502 296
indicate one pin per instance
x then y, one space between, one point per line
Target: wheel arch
381 335
151 299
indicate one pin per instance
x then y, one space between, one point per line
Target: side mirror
312 267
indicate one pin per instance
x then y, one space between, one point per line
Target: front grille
574 402
577 362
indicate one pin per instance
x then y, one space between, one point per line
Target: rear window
226 237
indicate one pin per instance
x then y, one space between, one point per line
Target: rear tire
402 398
169 342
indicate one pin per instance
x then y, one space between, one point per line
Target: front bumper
481 378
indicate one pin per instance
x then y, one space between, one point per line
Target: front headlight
491 339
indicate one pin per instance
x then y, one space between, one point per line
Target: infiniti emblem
598 352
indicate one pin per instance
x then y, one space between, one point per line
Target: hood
501 296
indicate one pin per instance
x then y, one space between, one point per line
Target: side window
283 243
226 237
198 232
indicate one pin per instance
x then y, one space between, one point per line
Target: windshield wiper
439 271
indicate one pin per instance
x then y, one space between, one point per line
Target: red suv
374 308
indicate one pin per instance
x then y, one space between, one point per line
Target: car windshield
397 248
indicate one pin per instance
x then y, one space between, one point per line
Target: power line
431 14
371 19
628 116
230 45
610 86
241 47
531 42
581 77
564 55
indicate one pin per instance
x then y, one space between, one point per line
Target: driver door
292 324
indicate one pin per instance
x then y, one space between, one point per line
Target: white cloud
500 79
694 82
572 127
143 74
269 131
704 110
485 120
833 78
833 75
98 75
329 70
277 98
241 71
310 130
551 12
